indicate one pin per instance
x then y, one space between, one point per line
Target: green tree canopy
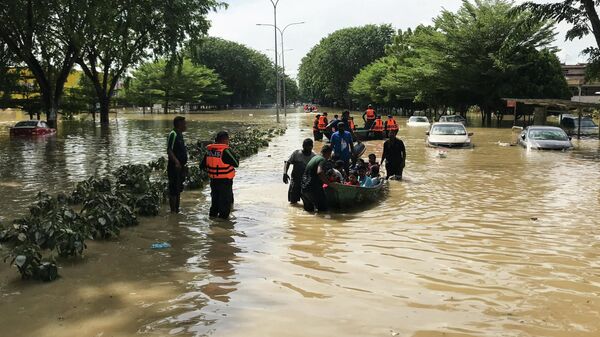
475 56
245 71
188 84
326 72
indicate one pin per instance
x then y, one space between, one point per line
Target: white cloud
238 22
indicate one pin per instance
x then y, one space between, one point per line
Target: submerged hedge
99 207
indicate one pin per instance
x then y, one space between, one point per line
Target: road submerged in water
494 241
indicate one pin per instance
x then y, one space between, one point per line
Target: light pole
281 31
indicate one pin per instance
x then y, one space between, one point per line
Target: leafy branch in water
104 206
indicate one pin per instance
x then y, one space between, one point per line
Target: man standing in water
394 154
313 194
299 159
220 162
178 157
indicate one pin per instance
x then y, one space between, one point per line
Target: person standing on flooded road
394 154
313 180
298 159
220 163
343 146
176 167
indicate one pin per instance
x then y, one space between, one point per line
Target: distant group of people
373 122
310 108
337 163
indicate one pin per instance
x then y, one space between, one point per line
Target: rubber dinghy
348 197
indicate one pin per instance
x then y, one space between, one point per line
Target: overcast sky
322 17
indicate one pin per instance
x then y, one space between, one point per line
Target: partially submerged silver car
449 135
545 138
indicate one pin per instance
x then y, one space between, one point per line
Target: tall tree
245 71
123 33
42 35
188 83
583 17
327 70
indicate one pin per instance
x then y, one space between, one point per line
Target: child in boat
352 180
340 168
373 166
334 176
363 178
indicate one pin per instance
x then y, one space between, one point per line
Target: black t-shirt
176 144
394 151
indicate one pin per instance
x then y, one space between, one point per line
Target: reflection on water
493 241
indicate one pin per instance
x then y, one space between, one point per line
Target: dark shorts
176 178
394 169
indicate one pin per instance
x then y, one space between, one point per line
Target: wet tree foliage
473 57
57 227
329 67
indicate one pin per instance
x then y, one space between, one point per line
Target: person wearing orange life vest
390 125
378 128
317 135
322 125
370 117
351 124
220 163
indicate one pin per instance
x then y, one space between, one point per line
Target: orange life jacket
392 125
351 124
322 123
217 169
378 126
370 114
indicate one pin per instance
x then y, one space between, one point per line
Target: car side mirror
427 133
471 134
570 138
523 137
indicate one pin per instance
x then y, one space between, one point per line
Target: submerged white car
419 121
449 135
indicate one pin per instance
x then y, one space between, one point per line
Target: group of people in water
373 123
338 163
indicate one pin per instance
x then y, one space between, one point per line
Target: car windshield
586 123
27 123
448 130
418 119
451 119
549 134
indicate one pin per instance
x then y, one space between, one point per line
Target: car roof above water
543 127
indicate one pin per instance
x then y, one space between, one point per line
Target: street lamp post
281 31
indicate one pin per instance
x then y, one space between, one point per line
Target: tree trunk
166 107
104 109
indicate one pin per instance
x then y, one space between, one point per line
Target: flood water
493 241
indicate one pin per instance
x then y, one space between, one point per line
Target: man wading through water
178 157
299 159
220 163
313 194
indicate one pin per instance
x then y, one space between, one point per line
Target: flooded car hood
450 139
551 144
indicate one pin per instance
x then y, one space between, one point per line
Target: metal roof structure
555 103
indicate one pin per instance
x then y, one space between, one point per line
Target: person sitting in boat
390 125
374 172
369 117
339 168
363 178
317 135
372 163
359 162
352 179
351 124
378 129
334 176
315 176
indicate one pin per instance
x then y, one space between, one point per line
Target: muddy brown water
493 241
